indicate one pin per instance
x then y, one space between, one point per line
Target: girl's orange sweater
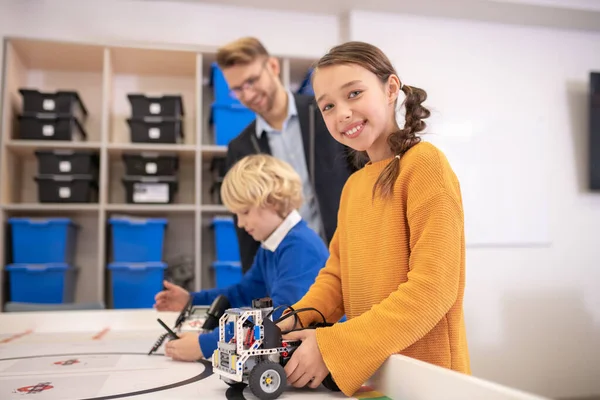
397 270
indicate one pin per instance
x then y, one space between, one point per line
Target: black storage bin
67 162
33 127
67 189
165 106
218 167
215 191
151 164
156 130
150 189
60 103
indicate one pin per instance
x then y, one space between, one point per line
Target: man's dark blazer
329 165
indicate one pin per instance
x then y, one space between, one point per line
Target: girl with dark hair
397 259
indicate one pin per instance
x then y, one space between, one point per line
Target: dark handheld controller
215 312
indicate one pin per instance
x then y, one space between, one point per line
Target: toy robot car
251 351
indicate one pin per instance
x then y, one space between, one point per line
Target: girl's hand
287 324
306 366
187 348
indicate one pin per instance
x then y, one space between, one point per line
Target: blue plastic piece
229 120
221 90
41 283
306 85
256 332
43 240
138 240
134 285
226 241
229 331
227 273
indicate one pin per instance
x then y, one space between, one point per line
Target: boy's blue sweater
285 275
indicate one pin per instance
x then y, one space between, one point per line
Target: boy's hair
262 180
374 60
242 51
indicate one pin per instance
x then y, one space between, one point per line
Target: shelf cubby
152 73
88 282
185 178
179 240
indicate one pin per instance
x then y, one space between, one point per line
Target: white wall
533 313
168 23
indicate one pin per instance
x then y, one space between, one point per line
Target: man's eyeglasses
238 91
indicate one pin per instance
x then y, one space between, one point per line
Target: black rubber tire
254 380
237 385
330 384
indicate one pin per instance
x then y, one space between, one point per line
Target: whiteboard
495 94
505 187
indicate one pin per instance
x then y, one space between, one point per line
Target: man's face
254 84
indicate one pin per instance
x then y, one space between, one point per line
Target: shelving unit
103 75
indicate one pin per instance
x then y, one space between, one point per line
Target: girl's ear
393 88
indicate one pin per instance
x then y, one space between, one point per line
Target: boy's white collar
273 241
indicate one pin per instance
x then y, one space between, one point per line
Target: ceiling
567 14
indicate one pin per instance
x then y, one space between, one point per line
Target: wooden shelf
210 152
214 209
158 208
184 150
28 147
213 150
52 207
103 75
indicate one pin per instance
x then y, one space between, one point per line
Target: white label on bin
151 168
64 166
154 133
48 130
154 108
64 192
48 104
150 193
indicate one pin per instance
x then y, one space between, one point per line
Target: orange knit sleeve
326 293
354 350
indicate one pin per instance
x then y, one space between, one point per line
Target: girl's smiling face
358 109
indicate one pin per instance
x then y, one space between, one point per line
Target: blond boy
265 194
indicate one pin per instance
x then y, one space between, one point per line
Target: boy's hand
173 298
306 366
187 348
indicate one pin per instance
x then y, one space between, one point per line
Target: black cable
295 315
295 312
277 308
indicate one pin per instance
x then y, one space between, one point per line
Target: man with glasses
287 126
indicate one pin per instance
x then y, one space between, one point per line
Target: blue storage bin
306 85
229 120
43 240
221 91
227 273
41 283
138 240
134 285
226 241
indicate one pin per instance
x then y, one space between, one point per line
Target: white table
102 355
